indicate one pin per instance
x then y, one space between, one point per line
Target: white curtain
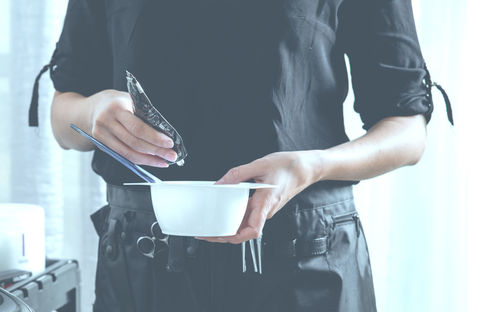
431 228
427 226
412 216
34 168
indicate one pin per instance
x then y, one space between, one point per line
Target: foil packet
150 115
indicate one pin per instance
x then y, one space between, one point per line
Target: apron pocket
317 282
113 261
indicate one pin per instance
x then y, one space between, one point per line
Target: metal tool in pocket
255 252
151 246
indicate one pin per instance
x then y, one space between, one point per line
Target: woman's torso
238 79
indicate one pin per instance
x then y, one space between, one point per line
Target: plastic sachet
150 115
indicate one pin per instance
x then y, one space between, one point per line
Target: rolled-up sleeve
81 61
389 75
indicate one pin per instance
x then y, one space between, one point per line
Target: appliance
22 238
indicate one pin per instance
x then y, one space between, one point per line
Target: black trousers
314 259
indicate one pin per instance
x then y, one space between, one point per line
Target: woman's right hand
113 122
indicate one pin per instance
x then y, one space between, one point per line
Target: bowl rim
204 184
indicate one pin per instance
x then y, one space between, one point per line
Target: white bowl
200 208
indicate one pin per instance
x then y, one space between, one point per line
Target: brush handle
143 174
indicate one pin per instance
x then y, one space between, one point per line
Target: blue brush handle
143 174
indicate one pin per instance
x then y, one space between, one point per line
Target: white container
200 208
22 237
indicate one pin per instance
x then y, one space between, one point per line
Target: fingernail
162 164
167 141
171 157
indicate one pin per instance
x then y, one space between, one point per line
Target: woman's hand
291 172
114 123
391 143
108 116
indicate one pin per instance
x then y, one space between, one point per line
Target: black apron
314 259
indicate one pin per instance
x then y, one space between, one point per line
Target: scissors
151 246
255 252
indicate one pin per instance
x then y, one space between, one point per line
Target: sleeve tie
429 84
33 110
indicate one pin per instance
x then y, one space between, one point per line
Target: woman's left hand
291 172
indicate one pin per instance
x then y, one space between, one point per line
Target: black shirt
240 79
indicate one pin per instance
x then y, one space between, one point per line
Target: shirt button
123 235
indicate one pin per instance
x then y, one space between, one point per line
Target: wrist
96 103
91 103
312 164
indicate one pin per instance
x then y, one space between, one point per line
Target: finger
277 202
253 222
262 200
225 239
213 239
243 173
258 207
143 131
121 148
140 145
245 234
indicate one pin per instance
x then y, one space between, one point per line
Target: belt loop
358 224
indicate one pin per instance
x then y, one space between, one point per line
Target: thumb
241 173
